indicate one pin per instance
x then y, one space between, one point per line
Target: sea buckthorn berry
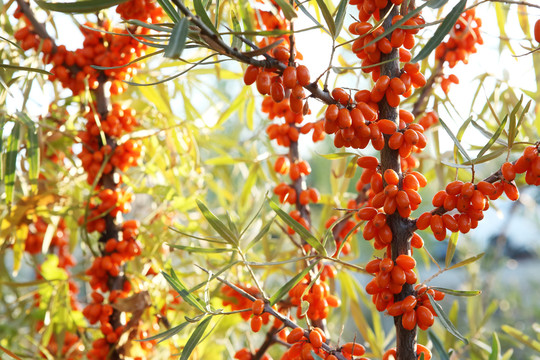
537 31
277 92
341 96
406 262
411 182
344 119
421 349
332 112
373 266
386 265
438 198
416 241
256 323
508 171
258 307
391 177
302 75
367 213
289 77
398 275
408 320
395 141
423 221
454 188
390 354
281 53
295 335
387 126
368 162
353 349
251 74
307 348
488 189
264 82
511 191
315 339
467 190
409 303
424 317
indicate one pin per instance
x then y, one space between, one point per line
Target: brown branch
217 44
401 227
421 103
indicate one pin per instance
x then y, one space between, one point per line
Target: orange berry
341 96
295 335
277 92
511 191
289 77
408 320
537 31
258 307
424 317
508 171
251 74
368 162
302 75
256 323
391 177
354 349
315 339
406 262
387 126
263 82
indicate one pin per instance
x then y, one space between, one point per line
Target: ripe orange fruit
537 31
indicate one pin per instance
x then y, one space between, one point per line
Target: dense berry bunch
318 296
143 10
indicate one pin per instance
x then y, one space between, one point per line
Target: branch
219 45
284 319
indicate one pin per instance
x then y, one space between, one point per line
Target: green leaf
287 9
217 224
458 292
454 139
450 251
183 291
327 17
308 14
195 249
12 151
513 123
85 6
339 155
494 137
291 283
437 3
495 348
441 31
299 229
194 339
521 337
24 68
438 345
167 334
201 12
32 149
178 39
260 234
492 155
340 16
466 261
169 10
445 320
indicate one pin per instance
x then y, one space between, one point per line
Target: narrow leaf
458 292
495 348
182 290
287 9
308 14
450 251
494 137
260 234
291 283
340 16
195 249
24 68
466 261
167 334
178 39
84 6
201 12
521 337
327 17
454 139
438 345
217 224
32 149
194 339
445 320
299 229
12 151
441 31
513 122
169 10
